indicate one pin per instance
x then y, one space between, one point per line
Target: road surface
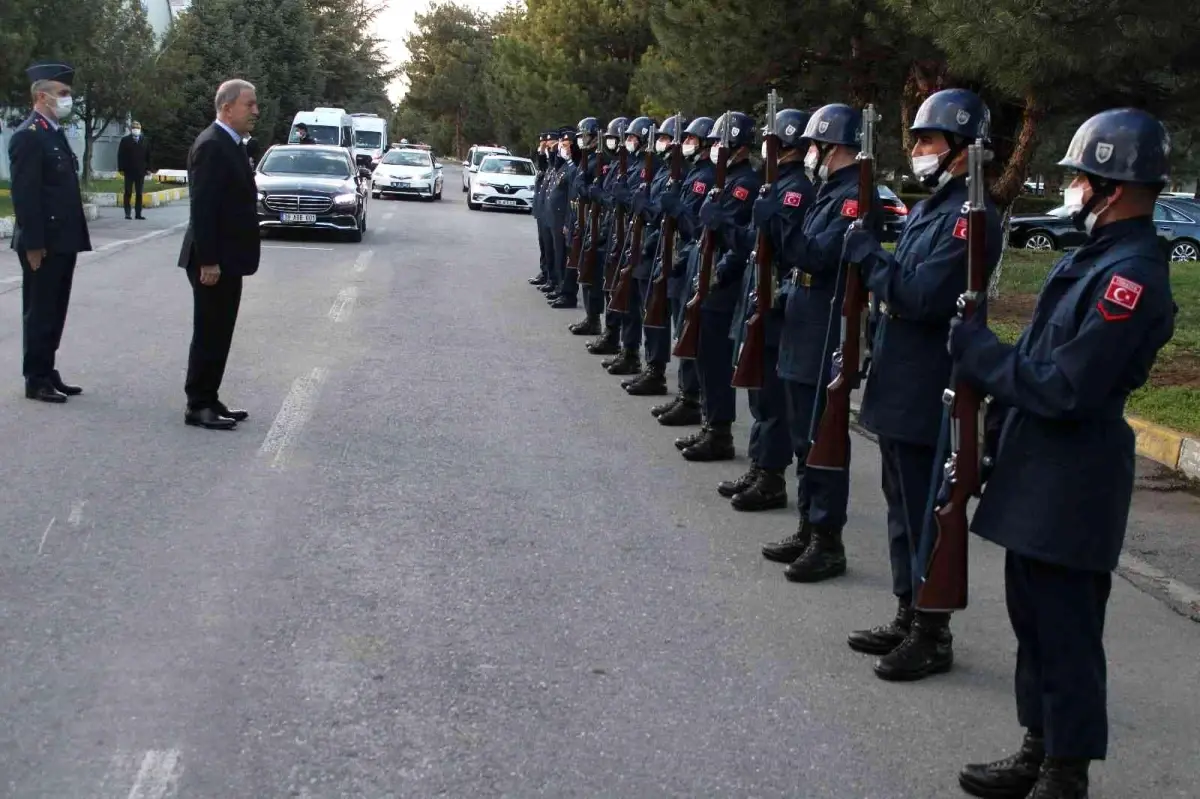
448 556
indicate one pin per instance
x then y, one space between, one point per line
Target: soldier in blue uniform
1059 493
51 229
567 295
546 217
557 207
780 208
607 343
637 138
723 214
542 162
811 253
918 289
684 207
653 379
588 140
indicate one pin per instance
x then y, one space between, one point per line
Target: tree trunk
1012 180
87 145
923 79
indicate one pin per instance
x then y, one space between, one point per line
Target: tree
353 71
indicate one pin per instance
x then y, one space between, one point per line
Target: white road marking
297 408
76 517
294 247
45 533
363 261
158 774
344 304
122 243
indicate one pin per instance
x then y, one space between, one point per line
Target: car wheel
1185 250
375 195
1040 240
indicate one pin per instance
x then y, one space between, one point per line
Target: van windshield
479 155
368 139
319 134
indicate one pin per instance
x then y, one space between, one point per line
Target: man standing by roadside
51 229
220 247
133 161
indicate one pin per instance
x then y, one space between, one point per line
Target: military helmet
672 124
699 127
741 129
836 123
617 127
588 126
957 112
790 124
1122 144
640 128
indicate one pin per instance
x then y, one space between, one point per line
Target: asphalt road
447 556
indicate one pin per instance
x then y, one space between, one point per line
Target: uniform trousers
689 376
714 363
770 437
822 495
631 320
214 315
570 283
45 296
543 255
658 339
907 479
559 247
1058 615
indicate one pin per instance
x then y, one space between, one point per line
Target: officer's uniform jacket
736 204
45 190
557 202
581 178
538 182
693 191
651 212
918 289
623 196
1063 477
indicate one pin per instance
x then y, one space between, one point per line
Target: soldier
812 298
684 207
587 142
1059 494
780 209
554 213
567 295
614 139
593 191
51 229
542 160
722 214
918 289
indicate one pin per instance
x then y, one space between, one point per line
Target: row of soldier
614 210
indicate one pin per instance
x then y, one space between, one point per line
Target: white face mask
63 106
579 142
1073 200
661 146
631 147
714 153
689 150
810 161
564 152
926 165
610 142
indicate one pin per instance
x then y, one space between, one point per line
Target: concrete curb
91 213
149 200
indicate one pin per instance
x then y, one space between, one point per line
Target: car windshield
406 158
318 134
368 139
479 156
305 161
506 166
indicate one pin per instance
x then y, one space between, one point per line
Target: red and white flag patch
1123 292
740 193
960 228
643 173
699 188
850 209
604 169
792 199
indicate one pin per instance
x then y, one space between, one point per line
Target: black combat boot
548 288
589 326
728 488
540 280
1062 778
715 445
629 362
927 650
652 383
683 442
605 343
823 558
660 409
883 639
686 412
768 492
629 381
565 301
1010 778
792 547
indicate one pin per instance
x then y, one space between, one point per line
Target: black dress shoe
208 419
44 392
235 415
62 388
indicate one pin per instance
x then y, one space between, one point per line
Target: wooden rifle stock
942 579
752 357
580 215
658 301
830 445
613 261
587 267
619 302
687 344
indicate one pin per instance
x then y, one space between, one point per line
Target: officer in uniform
723 214
50 226
779 209
684 207
1058 497
653 379
554 213
812 294
587 140
542 160
607 343
918 289
567 295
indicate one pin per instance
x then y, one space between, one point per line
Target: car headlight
430 175
482 183
345 199
262 195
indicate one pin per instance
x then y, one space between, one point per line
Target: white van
370 138
326 126
474 156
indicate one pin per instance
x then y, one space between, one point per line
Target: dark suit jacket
223 228
133 156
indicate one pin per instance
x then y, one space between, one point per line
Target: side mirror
467 164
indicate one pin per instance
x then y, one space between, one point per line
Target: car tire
1041 240
375 195
1184 250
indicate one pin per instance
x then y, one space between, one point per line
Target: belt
801 278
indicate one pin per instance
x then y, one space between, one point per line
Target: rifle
829 448
619 302
752 356
580 211
614 254
688 341
587 267
658 301
942 562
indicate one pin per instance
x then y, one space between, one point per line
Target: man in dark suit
51 228
220 247
133 160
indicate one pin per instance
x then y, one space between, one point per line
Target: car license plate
400 183
506 202
299 218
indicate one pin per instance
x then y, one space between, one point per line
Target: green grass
117 186
6 208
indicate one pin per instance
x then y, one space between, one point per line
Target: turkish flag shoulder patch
792 199
643 173
1123 292
960 228
850 209
740 193
604 169
698 187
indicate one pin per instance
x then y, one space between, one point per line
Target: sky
396 23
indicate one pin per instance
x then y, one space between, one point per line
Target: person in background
302 136
133 161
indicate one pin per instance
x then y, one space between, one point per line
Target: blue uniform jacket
918 289
737 202
651 211
623 197
1063 477
558 205
692 192
45 190
581 178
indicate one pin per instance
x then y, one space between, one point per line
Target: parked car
1177 221
475 157
408 172
312 186
502 181
895 213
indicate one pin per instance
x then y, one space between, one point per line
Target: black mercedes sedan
1177 222
312 186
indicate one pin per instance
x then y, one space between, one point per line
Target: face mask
63 106
1083 215
631 147
714 153
564 152
137 134
924 166
689 150
810 161
660 146
580 142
